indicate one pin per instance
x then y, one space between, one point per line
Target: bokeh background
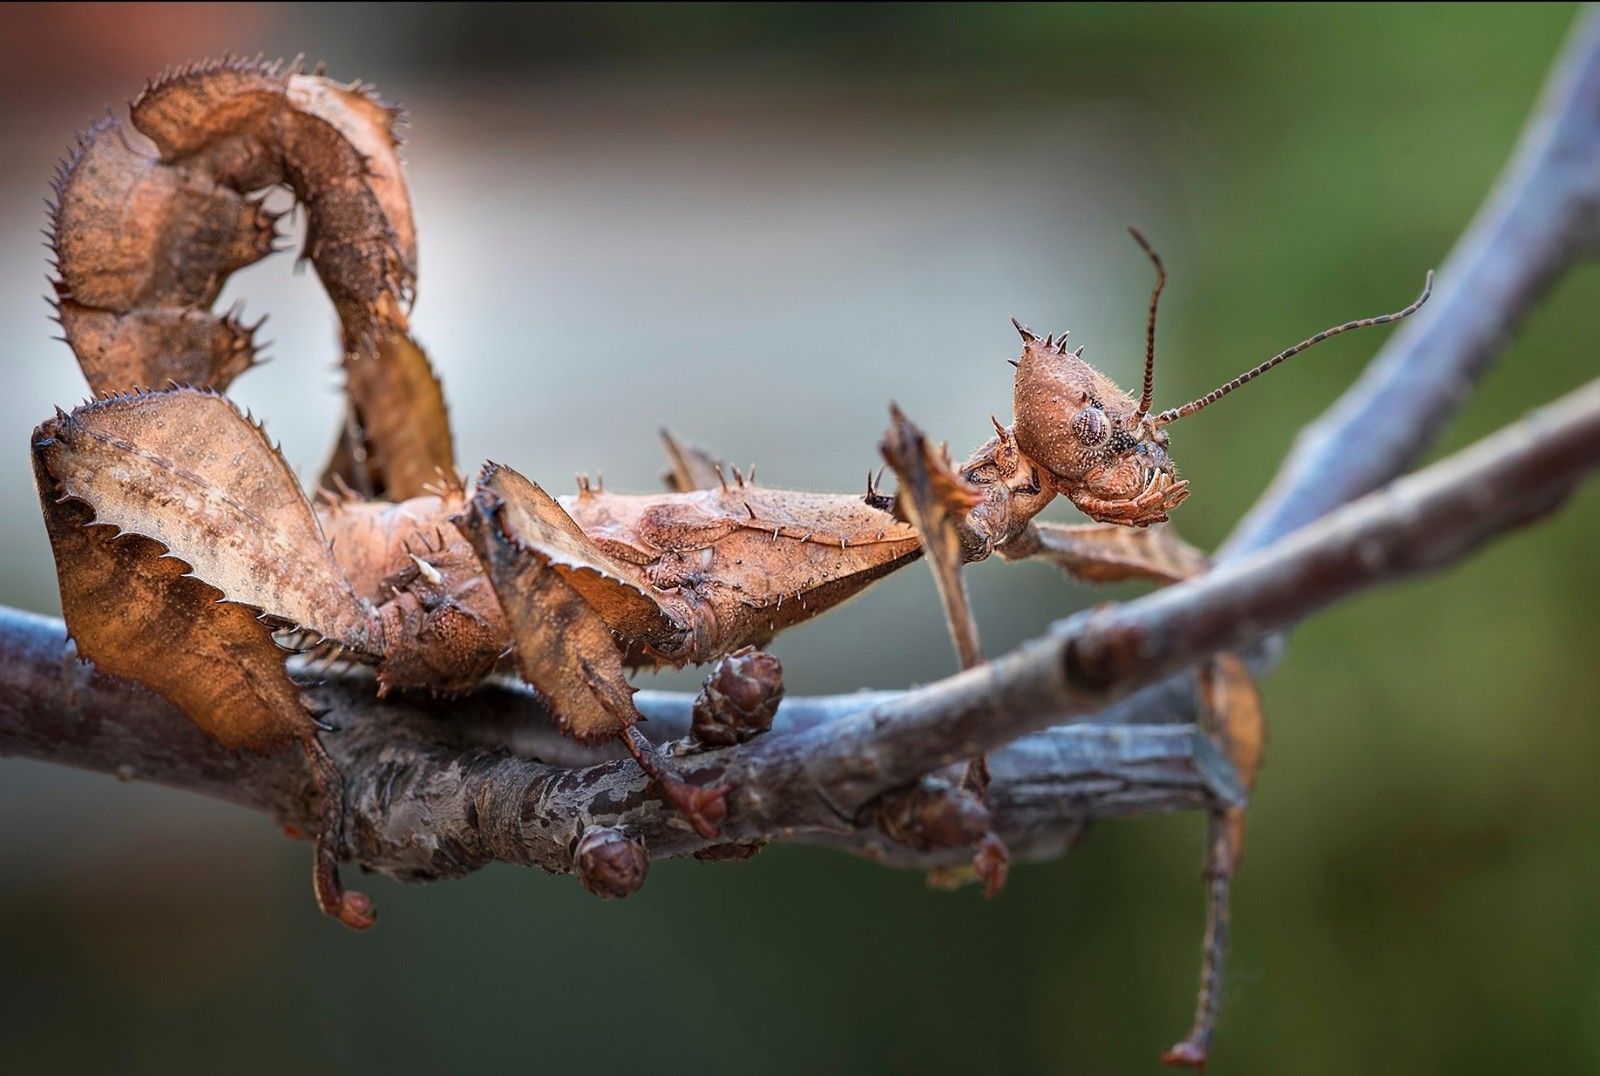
761 223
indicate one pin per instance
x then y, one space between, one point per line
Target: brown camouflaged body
734 566
1106 457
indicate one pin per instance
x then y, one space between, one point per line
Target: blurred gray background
760 224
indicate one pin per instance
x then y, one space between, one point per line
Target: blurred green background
761 224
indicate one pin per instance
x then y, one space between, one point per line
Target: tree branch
424 804
1542 217
419 770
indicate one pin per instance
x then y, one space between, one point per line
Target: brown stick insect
190 559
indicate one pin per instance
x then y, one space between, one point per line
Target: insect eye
1091 427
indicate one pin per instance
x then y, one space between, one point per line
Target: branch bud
609 863
739 698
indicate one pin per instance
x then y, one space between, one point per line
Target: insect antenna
1148 395
1174 413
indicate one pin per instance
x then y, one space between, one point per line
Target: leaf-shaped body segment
144 244
136 612
184 468
738 565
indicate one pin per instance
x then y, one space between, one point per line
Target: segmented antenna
1175 413
1148 395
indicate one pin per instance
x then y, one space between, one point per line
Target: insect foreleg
935 499
1108 552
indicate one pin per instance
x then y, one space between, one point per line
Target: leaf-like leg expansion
564 648
935 499
1108 552
562 601
1231 712
540 525
145 243
134 608
396 440
184 468
690 467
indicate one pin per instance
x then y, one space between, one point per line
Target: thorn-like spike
1026 333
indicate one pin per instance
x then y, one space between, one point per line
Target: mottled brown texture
733 566
185 468
563 646
1104 450
137 612
1078 425
144 244
936 500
